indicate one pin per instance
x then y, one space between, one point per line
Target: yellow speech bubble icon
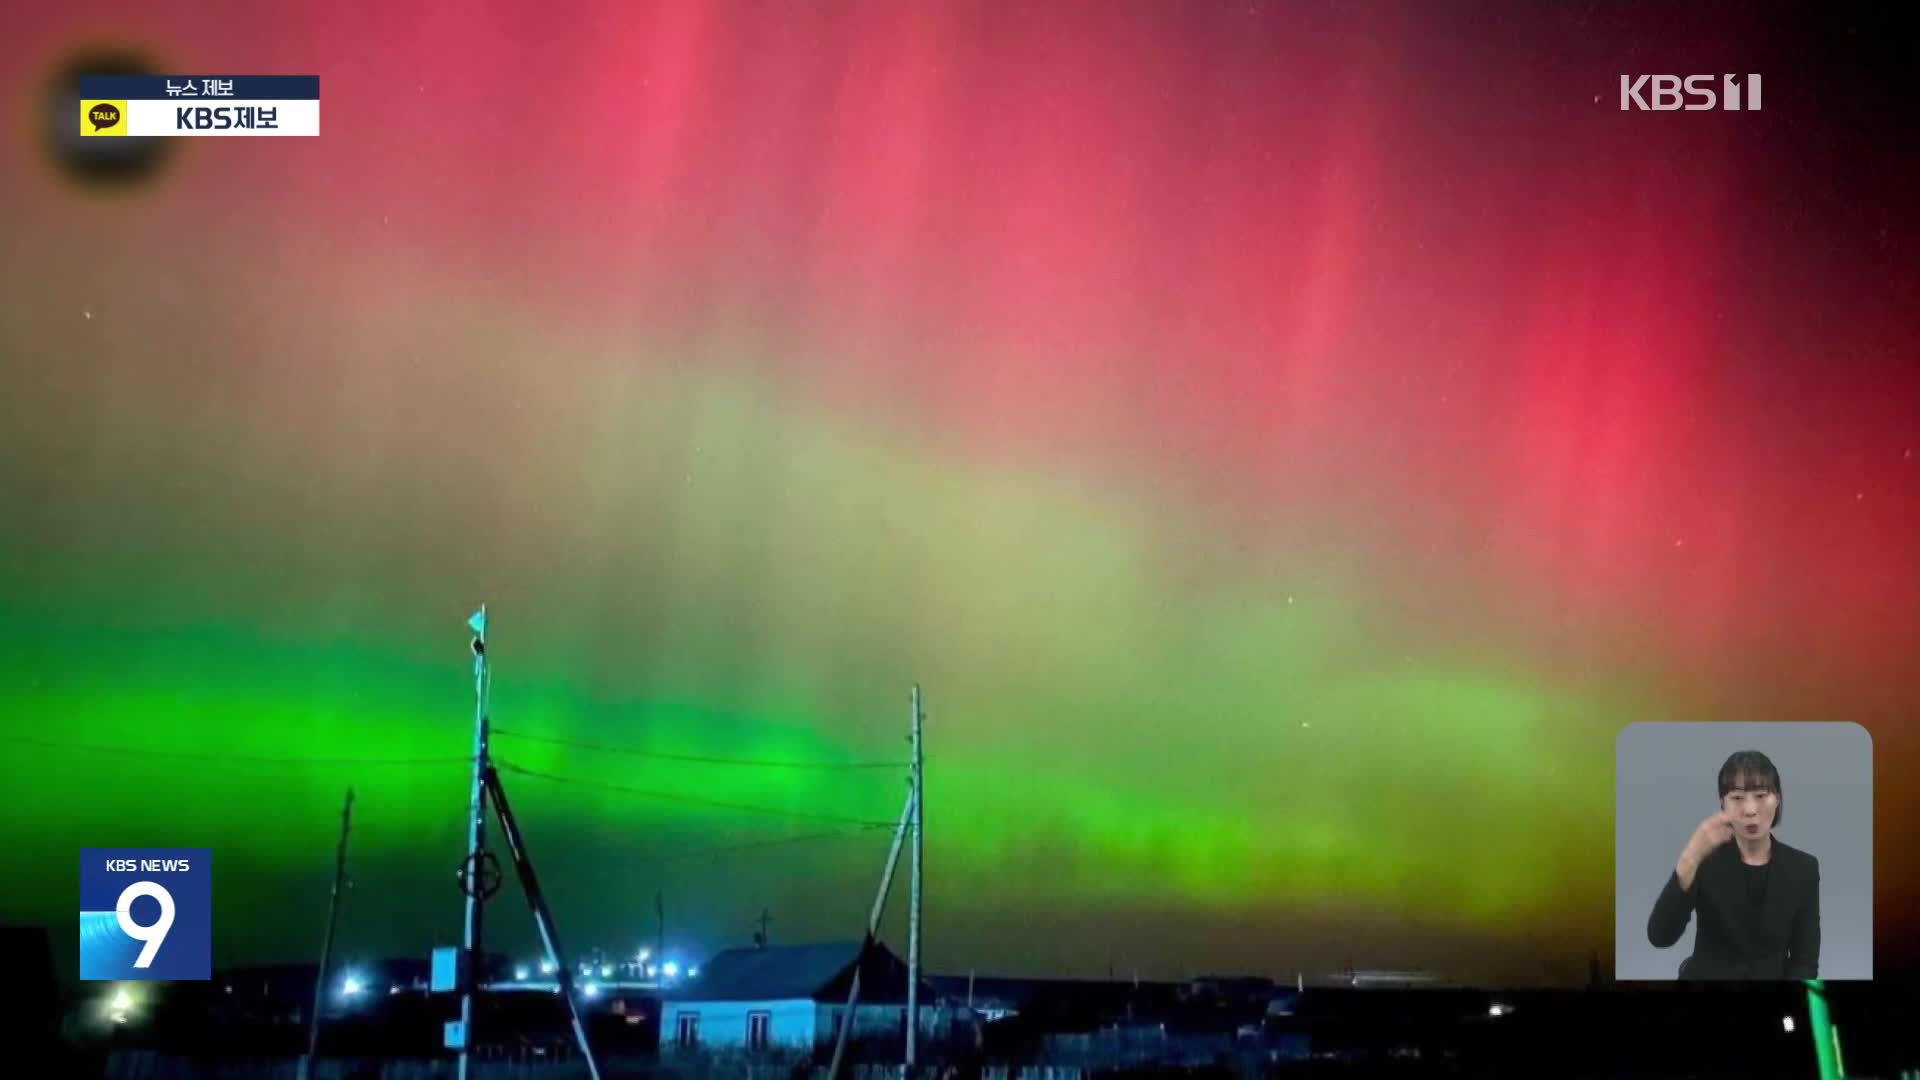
103 117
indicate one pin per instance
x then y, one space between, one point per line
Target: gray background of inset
1665 778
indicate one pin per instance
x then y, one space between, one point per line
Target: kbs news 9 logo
146 913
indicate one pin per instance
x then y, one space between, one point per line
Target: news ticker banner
151 105
146 913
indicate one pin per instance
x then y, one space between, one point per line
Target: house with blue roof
794 998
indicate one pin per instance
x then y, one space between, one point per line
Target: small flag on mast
478 621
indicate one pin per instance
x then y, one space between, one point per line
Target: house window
759 1030
687 1031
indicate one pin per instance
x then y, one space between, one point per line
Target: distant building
793 998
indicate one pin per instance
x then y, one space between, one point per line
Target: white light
520 973
351 986
122 1001
1499 1010
606 971
644 953
693 973
392 990
671 970
546 967
591 990
1786 1024
119 1018
652 970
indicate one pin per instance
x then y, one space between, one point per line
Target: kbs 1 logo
1694 93
146 913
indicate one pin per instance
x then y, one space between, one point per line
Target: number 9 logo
152 935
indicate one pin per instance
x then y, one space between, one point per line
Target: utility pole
542 914
873 929
914 912
1826 1037
660 942
326 945
480 876
762 939
470 940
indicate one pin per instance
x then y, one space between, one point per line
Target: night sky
1288 443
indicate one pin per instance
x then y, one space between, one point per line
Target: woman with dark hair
1758 899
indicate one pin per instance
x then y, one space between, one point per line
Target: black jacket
1780 940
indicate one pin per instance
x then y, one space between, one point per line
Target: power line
666 796
607 869
249 759
700 759
756 845
387 828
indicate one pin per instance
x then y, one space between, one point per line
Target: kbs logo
146 913
225 117
1671 93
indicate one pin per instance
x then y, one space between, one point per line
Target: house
794 997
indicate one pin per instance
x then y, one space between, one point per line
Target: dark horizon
1288 443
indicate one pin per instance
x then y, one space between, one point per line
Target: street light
520 973
1786 1024
350 986
546 967
693 972
670 969
591 990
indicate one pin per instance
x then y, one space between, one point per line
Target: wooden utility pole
326 944
471 938
543 920
866 944
1826 1038
914 913
480 874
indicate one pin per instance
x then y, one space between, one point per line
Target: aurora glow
1286 463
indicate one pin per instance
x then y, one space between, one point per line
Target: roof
779 972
